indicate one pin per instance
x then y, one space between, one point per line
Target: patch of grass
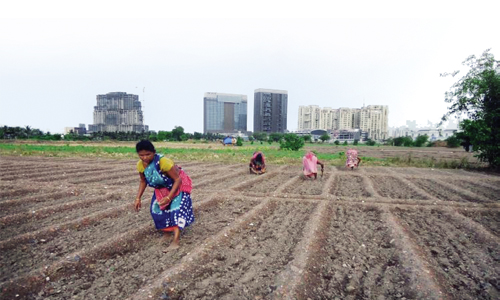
213 153
432 162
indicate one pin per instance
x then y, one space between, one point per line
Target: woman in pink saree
310 165
352 159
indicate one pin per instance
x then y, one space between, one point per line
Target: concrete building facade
371 119
374 120
118 111
270 110
309 117
224 113
328 117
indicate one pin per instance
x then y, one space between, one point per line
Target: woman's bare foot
174 245
175 242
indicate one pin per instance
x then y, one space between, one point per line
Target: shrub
421 140
452 142
325 137
370 142
292 141
403 141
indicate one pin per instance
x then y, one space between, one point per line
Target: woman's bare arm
140 191
174 174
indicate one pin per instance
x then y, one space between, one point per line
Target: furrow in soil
140 261
466 263
246 264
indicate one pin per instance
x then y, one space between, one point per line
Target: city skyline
53 68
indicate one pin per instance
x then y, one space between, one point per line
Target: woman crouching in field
352 159
310 165
171 206
257 163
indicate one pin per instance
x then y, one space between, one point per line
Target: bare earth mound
68 231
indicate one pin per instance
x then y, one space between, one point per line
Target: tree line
476 96
176 134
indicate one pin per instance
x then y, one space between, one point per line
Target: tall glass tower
224 113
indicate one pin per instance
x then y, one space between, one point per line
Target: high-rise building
224 113
118 111
270 110
344 118
372 119
309 117
328 118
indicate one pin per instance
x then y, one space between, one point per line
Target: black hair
145 145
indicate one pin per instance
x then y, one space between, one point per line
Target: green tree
403 141
197 135
421 140
260 136
307 138
355 142
465 140
178 133
325 137
337 142
453 141
153 137
164 135
345 143
275 136
239 141
291 141
477 95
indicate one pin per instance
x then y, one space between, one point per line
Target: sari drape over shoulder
179 212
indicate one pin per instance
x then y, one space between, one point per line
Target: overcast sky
51 69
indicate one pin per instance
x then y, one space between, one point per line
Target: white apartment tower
309 117
344 119
372 119
328 118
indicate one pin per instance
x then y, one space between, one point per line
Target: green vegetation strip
211 153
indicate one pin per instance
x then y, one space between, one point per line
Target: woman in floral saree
171 206
352 159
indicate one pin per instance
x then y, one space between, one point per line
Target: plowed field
68 231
